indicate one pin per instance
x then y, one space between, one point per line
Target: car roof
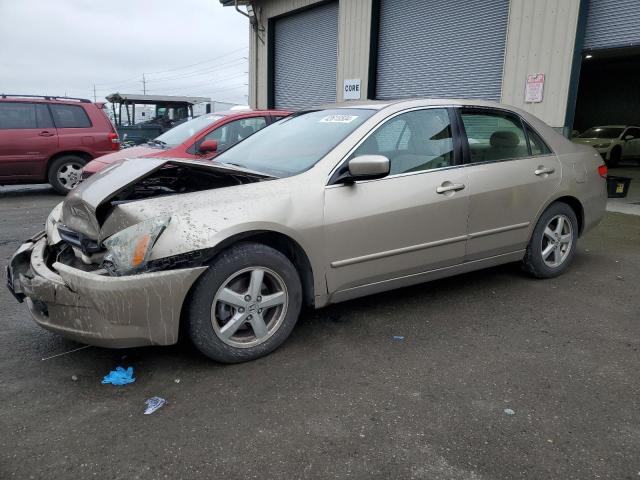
44 99
614 126
241 113
381 104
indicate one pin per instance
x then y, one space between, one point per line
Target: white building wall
540 39
354 41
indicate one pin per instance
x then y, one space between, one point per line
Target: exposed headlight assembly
129 249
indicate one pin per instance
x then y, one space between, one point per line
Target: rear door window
494 135
70 116
538 146
17 115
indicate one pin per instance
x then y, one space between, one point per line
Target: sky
184 47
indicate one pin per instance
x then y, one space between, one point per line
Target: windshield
295 144
186 130
602 132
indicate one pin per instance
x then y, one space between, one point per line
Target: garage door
612 23
305 57
440 48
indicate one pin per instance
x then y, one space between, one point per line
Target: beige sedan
321 207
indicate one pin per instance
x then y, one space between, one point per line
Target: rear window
70 116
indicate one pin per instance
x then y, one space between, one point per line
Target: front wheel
553 242
245 305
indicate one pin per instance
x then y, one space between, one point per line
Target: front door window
413 141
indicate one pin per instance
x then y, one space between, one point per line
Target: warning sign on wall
534 88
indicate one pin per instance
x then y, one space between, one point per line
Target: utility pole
94 93
144 85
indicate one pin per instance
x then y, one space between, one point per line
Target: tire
65 173
223 324
538 260
614 157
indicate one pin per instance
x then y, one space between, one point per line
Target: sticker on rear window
338 119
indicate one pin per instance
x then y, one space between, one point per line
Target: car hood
88 205
592 141
133 152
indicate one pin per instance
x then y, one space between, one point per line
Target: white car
613 142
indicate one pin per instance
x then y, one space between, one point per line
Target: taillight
115 141
602 170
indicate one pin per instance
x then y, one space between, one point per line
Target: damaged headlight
129 249
50 225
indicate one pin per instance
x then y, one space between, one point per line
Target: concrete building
570 62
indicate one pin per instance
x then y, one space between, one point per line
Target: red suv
202 138
50 139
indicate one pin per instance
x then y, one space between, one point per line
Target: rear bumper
98 309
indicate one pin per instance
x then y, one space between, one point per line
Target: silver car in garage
323 206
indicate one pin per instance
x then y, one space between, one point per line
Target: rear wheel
553 243
65 173
245 305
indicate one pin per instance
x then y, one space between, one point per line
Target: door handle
449 187
542 170
46 134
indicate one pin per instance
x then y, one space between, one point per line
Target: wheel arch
285 245
573 202
80 153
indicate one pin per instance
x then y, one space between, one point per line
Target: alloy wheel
557 241
249 307
69 174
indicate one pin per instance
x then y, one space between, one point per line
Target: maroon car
202 138
50 139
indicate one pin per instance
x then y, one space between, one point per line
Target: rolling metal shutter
305 57
612 23
440 48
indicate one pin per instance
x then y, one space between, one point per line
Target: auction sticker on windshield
338 119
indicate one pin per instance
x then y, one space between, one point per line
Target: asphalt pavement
488 375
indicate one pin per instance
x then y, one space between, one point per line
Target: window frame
529 129
457 160
524 125
53 117
45 108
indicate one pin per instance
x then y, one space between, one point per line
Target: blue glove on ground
119 376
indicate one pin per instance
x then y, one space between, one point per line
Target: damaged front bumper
95 308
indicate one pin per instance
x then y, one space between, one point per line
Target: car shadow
17 191
314 325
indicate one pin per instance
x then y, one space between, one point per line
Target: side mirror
629 137
208 146
368 167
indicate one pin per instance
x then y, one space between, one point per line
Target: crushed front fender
102 310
